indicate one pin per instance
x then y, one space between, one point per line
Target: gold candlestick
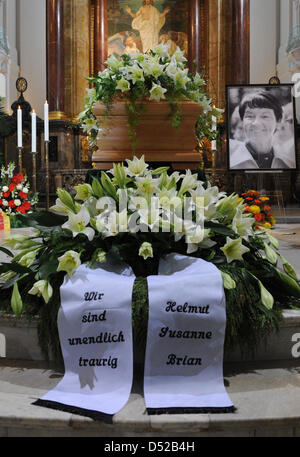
47 174
20 149
34 171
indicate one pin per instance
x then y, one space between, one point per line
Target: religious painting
140 25
261 123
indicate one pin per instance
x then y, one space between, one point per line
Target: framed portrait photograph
261 126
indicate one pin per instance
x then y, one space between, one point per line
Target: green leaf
6 251
220 229
291 286
48 268
160 170
97 188
16 300
108 185
42 218
14 266
66 198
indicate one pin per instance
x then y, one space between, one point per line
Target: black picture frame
239 146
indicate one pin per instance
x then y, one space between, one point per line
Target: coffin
157 139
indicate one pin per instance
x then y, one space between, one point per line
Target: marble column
199 41
220 44
240 42
100 35
55 59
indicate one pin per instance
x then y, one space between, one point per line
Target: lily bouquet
157 75
139 215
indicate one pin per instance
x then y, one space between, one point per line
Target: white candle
46 121
33 131
19 127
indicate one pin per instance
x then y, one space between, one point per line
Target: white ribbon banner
186 330
95 331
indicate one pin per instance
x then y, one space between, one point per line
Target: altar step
266 395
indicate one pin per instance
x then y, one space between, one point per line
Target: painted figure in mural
148 20
130 46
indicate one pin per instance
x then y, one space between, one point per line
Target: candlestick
214 128
19 127
33 131
46 121
47 174
34 171
20 159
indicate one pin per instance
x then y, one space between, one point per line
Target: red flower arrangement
256 204
15 195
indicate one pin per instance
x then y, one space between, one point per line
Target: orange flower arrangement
257 205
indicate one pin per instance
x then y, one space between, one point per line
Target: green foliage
156 75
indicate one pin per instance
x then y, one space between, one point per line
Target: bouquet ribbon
95 331
185 338
185 341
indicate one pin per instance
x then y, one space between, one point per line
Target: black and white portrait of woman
261 127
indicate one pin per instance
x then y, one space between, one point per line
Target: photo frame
261 127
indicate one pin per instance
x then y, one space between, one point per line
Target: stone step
266 395
18 340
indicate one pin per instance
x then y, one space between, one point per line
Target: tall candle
33 131
46 121
19 127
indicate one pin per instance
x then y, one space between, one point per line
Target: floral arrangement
138 215
15 197
257 205
156 75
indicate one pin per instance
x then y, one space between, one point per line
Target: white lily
136 167
194 238
189 182
69 262
181 78
198 80
42 288
113 63
136 74
139 57
77 223
123 85
234 249
169 199
89 124
84 191
147 184
171 70
228 282
179 55
242 224
157 92
146 250
162 50
205 104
